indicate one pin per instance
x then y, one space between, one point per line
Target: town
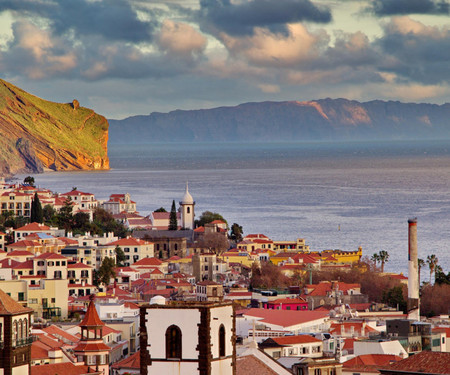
93 287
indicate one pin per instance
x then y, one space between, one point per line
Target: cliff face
327 119
36 134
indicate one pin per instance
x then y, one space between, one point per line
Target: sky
133 57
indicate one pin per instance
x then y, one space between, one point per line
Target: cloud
112 19
405 7
242 18
37 53
415 52
265 48
180 39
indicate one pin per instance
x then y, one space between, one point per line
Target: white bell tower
187 210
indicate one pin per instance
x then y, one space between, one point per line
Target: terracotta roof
10 307
91 318
250 365
50 256
23 265
33 227
285 318
19 253
55 330
291 340
24 243
132 362
148 262
66 368
78 265
370 362
423 362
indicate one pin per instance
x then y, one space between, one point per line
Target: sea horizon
336 195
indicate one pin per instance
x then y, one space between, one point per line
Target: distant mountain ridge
36 134
318 120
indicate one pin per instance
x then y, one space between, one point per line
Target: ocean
335 195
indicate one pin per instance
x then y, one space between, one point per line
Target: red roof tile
91 318
33 227
132 362
285 318
427 362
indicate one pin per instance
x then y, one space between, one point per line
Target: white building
187 210
187 338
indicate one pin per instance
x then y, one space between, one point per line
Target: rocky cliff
319 120
36 134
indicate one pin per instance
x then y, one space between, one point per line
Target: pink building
286 304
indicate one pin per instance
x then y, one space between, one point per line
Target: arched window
173 342
25 328
222 341
20 329
188 210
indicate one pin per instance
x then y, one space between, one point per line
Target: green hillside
37 134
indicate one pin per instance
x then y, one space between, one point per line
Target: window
188 210
222 341
173 342
21 296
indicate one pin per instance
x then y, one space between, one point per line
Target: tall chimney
413 272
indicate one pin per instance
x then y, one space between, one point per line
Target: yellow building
48 299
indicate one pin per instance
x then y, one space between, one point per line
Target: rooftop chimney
413 272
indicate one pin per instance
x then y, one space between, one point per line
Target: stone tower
195 338
15 351
187 210
91 349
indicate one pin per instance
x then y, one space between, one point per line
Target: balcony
22 342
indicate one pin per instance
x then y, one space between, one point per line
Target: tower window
222 341
173 342
188 210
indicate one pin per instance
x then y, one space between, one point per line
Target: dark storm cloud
420 56
112 19
240 19
404 7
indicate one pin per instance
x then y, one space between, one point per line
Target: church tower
15 351
187 210
91 349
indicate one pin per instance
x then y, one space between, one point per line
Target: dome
187 199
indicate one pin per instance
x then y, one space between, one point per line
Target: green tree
29 180
120 256
49 213
236 233
173 222
432 261
395 297
106 223
384 257
65 215
161 209
208 217
375 258
106 271
37 214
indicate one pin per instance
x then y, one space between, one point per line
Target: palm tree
375 258
383 257
432 261
420 264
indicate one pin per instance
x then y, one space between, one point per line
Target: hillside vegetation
36 134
